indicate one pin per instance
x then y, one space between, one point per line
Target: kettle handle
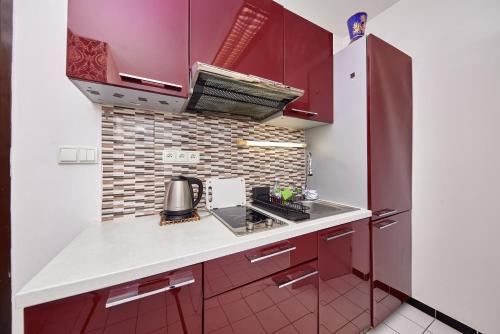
193 180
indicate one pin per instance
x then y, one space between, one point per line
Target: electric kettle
179 197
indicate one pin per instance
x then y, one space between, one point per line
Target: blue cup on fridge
356 25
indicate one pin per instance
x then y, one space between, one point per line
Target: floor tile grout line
391 328
430 325
415 321
424 328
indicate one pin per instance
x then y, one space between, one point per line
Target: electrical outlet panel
182 157
172 156
169 156
193 157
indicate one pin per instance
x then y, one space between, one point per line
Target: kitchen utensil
224 193
179 198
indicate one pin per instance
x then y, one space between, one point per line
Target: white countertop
114 253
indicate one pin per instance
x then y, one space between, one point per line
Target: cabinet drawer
286 302
237 269
170 301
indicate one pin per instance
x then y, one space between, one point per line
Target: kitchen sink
322 209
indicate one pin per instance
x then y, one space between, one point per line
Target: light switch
77 155
68 155
82 155
91 155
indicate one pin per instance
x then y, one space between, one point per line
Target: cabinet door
309 66
139 44
391 251
390 128
344 279
170 302
243 36
235 270
283 303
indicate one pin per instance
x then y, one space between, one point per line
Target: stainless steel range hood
215 90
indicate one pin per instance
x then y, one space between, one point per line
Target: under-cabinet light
247 143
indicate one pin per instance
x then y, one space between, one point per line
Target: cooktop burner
242 220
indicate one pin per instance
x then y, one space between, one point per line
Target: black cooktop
242 220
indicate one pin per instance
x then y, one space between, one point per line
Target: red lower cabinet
391 247
235 270
344 278
165 303
283 303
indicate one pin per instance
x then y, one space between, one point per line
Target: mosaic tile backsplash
133 142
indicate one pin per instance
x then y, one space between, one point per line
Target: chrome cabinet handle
149 82
308 113
131 296
282 250
298 279
386 224
385 212
340 235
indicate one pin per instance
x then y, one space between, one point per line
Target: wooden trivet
163 221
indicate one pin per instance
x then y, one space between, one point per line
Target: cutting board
224 193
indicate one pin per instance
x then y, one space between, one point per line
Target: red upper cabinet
243 36
135 44
167 303
309 66
390 128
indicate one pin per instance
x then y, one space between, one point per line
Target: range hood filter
219 91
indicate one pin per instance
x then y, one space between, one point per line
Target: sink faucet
309 171
309 164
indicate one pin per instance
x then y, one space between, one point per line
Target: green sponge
286 194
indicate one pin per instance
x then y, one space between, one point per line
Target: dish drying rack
290 210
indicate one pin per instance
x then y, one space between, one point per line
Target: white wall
50 203
333 14
456 168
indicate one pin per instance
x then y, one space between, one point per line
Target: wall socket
180 157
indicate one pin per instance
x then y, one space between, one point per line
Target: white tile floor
409 320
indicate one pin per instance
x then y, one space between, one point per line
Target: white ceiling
333 14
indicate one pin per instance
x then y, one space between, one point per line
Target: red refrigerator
365 159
